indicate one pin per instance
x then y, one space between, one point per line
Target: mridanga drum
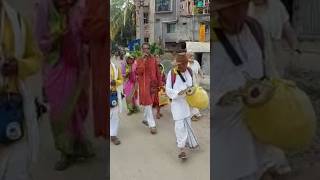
197 97
286 119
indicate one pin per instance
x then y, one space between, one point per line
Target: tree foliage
122 21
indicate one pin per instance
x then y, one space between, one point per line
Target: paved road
143 156
93 169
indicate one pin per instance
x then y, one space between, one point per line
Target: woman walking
65 79
130 87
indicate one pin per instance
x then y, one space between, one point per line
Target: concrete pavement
143 156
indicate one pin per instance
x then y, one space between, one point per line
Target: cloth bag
163 98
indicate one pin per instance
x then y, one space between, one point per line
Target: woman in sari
130 87
65 79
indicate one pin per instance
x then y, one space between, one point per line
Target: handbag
113 99
163 98
12 116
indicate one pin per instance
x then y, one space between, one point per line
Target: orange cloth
149 79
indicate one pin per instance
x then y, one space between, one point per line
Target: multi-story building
175 25
172 22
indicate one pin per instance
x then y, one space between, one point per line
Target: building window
145 18
146 40
201 7
171 28
163 5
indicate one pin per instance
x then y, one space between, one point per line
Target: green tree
122 21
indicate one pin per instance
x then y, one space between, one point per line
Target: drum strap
174 76
256 31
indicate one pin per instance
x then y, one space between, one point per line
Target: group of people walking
142 79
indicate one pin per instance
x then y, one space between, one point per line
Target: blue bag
11 117
113 99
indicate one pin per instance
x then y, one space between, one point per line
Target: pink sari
64 84
130 86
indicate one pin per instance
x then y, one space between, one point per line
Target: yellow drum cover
197 97
287 120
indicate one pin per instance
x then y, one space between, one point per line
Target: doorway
198 57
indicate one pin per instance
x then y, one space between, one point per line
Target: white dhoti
114 121
148 116
185 134
14 161
195 112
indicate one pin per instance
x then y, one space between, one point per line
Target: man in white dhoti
197 76
116 80
19 59
237 155
178 80
275 20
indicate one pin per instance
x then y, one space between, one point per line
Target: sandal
115 140
153 130
194 118
182 155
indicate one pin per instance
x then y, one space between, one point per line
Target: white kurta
236 153
272 18
114 112
17 158
179 107
181 110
